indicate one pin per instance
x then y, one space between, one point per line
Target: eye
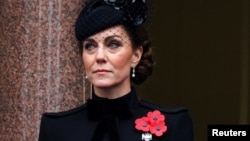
88 46
114 44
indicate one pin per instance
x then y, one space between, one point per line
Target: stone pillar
40 65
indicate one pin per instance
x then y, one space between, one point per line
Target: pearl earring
133 72
86 77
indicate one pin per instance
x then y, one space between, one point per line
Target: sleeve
183 128
45 131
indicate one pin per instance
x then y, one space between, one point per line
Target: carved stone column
40 64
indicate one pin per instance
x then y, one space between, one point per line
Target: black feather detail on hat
98 15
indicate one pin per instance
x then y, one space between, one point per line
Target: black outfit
103 119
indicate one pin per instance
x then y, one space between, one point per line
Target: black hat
98 15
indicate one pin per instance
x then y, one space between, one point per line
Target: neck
112 92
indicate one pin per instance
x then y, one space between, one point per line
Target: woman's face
108 57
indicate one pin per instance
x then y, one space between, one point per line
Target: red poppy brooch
153 123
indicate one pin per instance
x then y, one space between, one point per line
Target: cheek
122 61
86 62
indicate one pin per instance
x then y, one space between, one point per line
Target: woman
115 52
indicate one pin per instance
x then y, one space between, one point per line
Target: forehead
117 31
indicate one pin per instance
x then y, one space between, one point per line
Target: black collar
122 107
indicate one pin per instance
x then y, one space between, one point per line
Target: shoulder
164 109
57 123
69 112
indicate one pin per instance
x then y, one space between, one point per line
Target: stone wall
40 65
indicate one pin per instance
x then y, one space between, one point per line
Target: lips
101 71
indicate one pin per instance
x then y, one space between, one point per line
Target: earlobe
137 56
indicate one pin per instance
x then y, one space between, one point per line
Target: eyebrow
107 38
113 36
89 40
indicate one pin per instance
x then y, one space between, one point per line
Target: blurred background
202 60
201 51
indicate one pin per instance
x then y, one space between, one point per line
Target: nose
100 55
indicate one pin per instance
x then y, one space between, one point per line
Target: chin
103 84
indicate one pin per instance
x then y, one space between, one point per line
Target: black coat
98 122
